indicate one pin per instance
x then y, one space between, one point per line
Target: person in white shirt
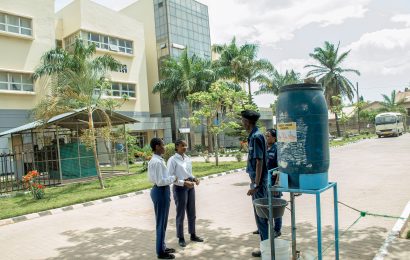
180 166
161 196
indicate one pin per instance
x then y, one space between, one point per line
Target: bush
239 156
169 151
222 150
199 148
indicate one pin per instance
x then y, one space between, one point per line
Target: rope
364 213
341 234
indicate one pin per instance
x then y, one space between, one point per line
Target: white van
389 124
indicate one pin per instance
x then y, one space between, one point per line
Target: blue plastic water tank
303 136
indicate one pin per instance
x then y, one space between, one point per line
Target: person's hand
196 181
188 184
251 192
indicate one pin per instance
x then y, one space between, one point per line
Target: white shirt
181 167
158 172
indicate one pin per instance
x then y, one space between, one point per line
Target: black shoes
195 238
255 232
166 256
169 250
181 242
257 253
278 234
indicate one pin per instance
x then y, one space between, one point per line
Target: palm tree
331 74
240 63
275 80
391 104
184 76
77 81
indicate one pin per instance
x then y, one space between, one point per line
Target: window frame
19 28
17 86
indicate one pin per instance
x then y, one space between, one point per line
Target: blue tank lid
310 86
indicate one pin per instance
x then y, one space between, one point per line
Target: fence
76 162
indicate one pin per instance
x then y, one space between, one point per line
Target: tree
331 75
182 77
77 81
240 64
391 104
275 80
221 107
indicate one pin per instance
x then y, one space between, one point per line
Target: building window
15 24
123 68
101 41
120 89
10 81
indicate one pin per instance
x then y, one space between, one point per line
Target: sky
376 32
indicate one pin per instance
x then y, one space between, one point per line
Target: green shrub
199 148
238 156
169 151
408 235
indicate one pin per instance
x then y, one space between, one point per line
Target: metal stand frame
317 193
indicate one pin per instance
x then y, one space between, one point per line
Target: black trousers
185 202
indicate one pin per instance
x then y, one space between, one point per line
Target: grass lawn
344 141
82 192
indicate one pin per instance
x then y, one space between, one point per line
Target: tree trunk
250 93
216 150
203 133
94 144
191 129
337 125
210 143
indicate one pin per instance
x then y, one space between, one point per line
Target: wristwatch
254 186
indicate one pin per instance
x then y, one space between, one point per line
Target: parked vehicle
389 124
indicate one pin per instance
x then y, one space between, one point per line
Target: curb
394 233
56 211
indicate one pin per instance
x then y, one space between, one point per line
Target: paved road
372 175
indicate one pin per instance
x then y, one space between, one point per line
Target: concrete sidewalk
372 176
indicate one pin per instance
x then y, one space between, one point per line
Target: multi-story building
30 28
178 25
26 32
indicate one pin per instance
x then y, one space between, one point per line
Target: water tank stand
318 217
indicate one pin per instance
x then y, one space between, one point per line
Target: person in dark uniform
272 163
256 168
160 195
180 166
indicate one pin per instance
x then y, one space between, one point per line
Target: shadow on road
131 243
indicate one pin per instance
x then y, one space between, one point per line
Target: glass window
24 22
16 81
16 78
94 37
13 20
2 18
3 77
103 42
13 29
25 31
